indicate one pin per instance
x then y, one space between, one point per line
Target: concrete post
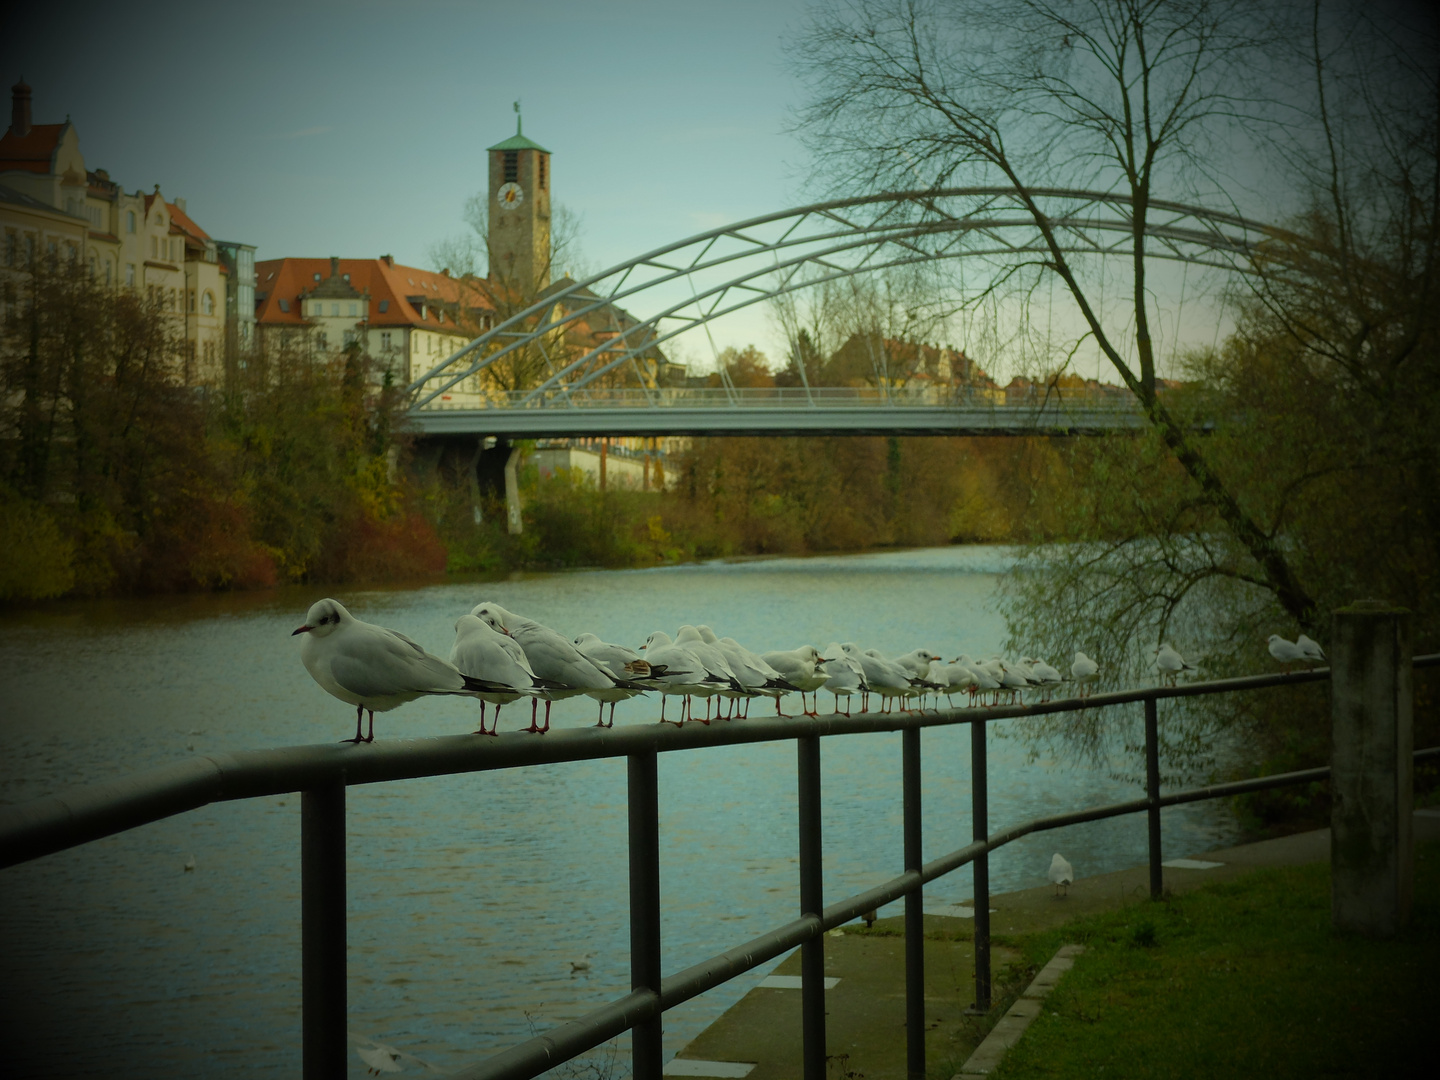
1372 842
512 493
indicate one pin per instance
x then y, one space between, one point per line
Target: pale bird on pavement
1062 875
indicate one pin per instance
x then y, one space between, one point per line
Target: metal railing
816 397
322 773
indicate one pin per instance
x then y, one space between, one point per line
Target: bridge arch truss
688 284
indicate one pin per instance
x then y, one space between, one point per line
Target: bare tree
1136 96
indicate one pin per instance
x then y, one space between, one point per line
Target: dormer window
317 277
384 306
285 306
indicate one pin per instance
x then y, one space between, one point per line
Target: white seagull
755 673
676 672
1062 875
689 637
1047 676
371 667
622 662
802 667
1310 648
551 657
482 652
1287 652
1170 663
1085 672
843 676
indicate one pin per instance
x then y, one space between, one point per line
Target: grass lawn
1243 979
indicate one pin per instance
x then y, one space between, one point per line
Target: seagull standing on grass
1170 663
1062 874
371 667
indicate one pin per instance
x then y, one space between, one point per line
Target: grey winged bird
374 668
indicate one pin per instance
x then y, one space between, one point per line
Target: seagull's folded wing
390 663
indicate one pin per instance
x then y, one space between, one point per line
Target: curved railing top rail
56 822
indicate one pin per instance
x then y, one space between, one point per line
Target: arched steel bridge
688 284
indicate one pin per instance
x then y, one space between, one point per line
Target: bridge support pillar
512 493
1372 837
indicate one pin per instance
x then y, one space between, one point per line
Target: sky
316 128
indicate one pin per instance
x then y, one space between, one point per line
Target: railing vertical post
322 930
647 1053
1372 830
812 953
914 912
980 830
1152 792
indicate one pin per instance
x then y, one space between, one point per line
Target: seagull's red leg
547 718
535 714
359 716
600 722
482 730
370 737
612 715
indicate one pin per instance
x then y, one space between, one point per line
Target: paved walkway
759 1036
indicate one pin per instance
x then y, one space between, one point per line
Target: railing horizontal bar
80 815
587 1032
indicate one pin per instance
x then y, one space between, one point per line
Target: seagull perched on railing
1287 652
802 667
372 667
1310 648
622 662
843 676
482 652
677 672
1085 672
1170 663
755 673
551 657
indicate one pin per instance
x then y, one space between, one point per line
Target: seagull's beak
302 630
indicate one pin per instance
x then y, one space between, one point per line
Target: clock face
510 196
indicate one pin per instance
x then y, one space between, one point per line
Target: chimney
20 109
388 260
334 265
180 204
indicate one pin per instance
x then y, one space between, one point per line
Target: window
189 299
92 265
130 274
93 212
354 309
334 309
12 250
130 221
542 158
285 306
385 345
317 277
349 338
384 306
109 272
29 250
173 301
321 341
207 303
512 166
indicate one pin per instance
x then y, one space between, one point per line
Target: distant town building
52 207
406 318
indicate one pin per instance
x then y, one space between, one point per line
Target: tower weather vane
518 118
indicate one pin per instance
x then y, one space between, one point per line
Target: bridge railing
322 773
790 397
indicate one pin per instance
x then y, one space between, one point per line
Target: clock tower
519 237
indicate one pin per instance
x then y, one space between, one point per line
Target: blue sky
315 127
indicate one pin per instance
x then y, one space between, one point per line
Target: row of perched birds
500 657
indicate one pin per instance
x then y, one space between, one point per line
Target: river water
470 898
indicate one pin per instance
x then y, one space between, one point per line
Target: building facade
52 207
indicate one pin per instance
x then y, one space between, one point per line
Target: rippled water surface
469 897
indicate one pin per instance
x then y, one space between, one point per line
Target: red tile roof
287 279
180 223
32 152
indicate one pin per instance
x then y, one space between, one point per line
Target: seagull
917 661
622 662
887 679
986 678
551 657
483 652
1310 648
1085 672
189 866
1062 874
676 672
843 676
1170 663
951 677
743 662
689 637
1016 678
382 1058
371 667
802 667
1047 676
1287 652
